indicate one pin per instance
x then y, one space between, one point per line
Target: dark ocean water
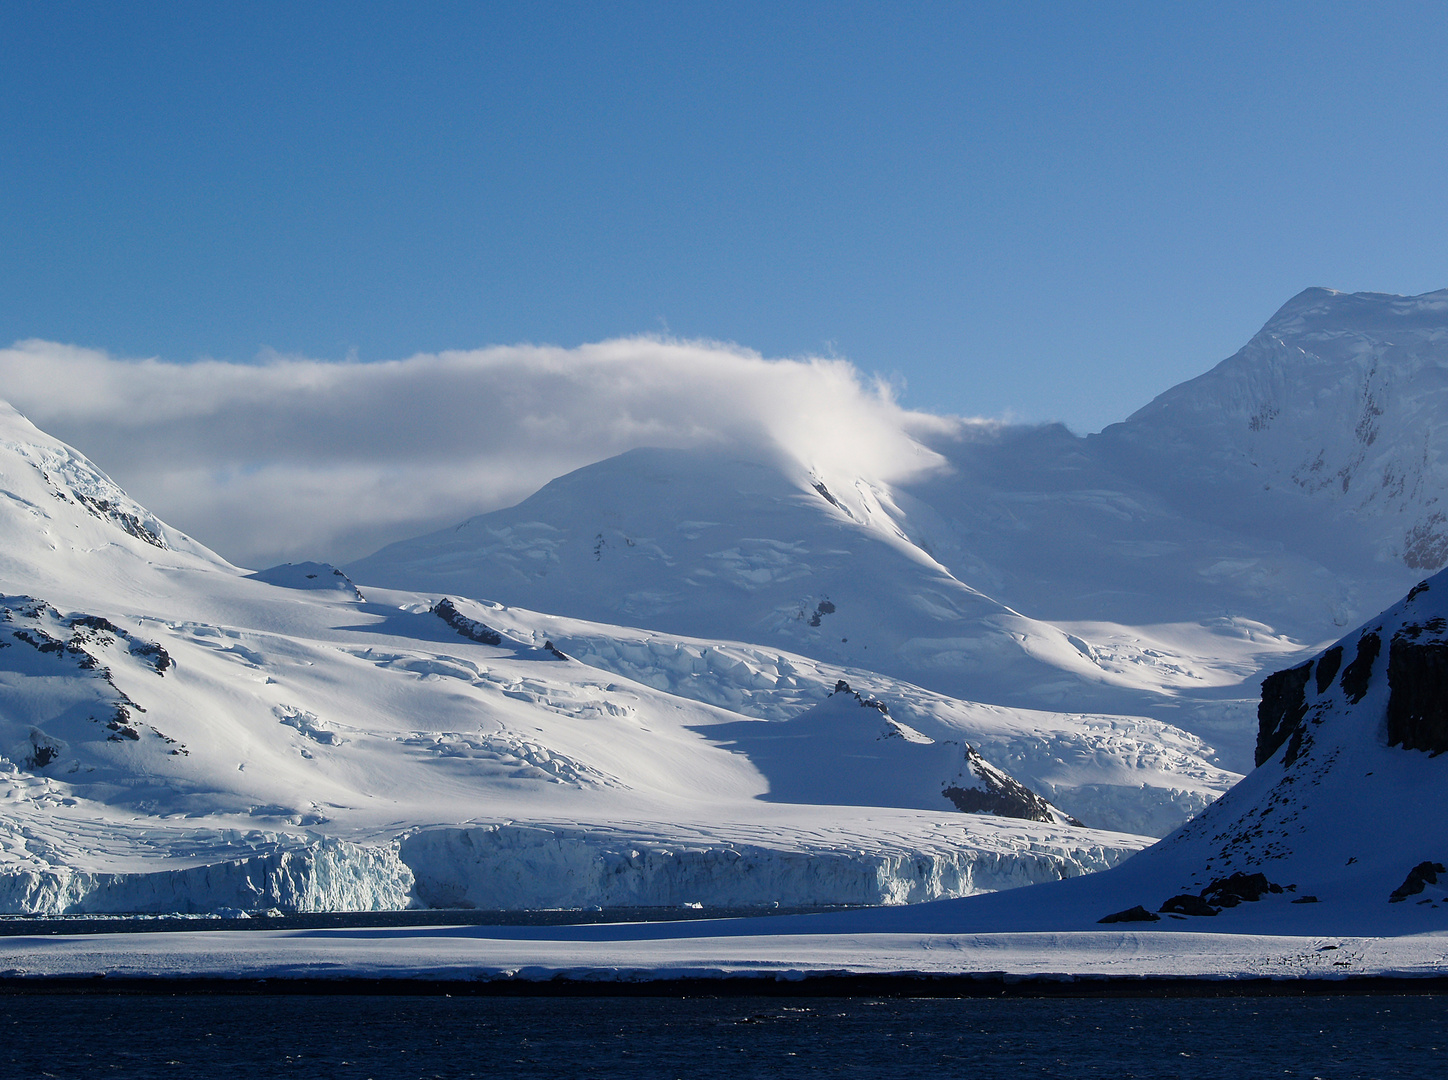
257 1036
15 925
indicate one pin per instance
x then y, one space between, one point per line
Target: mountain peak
1371 314
1335 402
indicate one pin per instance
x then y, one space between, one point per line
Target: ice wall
331 875
526 866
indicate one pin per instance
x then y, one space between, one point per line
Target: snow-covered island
736 679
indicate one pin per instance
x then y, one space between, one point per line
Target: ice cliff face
555 865
319 876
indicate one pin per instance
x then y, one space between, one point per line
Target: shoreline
735 957
905 985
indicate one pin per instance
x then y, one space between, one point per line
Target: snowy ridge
67 476
308 575
721 546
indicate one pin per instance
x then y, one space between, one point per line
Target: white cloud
292 458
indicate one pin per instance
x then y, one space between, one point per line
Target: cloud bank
292 458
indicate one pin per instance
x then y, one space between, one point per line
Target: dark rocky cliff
1417 674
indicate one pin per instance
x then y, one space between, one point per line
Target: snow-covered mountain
731 676
180 735
1155 569
1335 831
1298 484
718 545
1325 431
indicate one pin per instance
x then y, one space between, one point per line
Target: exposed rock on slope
981 788
1416 715
68 729
471 629
1418 687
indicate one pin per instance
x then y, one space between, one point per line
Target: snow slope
1055 526
179 735
783 949
1130 773
718 545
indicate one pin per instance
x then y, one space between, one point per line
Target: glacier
327 875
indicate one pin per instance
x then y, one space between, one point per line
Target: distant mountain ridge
1301 483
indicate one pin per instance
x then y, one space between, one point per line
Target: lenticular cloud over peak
351 454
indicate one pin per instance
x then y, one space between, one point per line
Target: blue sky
1053 211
